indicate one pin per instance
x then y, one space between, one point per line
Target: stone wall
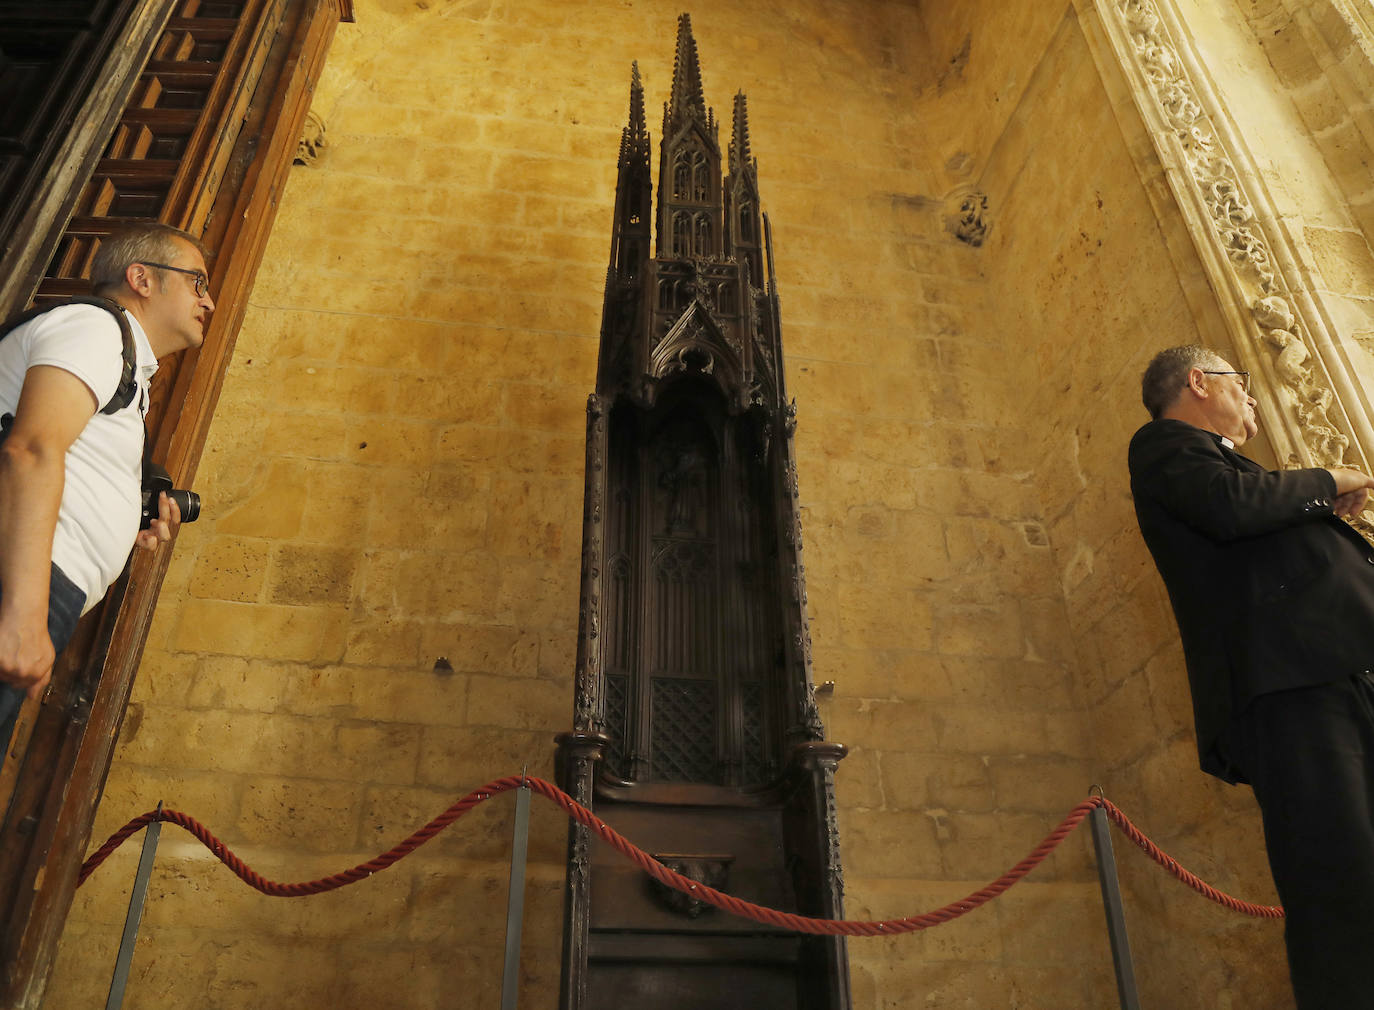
377 611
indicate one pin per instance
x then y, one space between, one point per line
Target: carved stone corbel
966 215
311 142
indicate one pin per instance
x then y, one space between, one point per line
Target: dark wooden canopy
696 730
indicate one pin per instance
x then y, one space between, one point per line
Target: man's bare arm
54 407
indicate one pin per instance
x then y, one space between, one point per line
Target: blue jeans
65 603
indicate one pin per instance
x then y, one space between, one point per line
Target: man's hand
1352 491
1351 503
164 527
26 655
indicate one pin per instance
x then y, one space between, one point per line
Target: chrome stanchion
1116 912
515 905
136 902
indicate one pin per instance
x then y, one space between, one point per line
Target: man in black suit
1274 598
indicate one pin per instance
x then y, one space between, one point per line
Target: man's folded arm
1191 479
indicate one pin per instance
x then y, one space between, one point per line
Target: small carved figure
713 871
312 140
1273 313
684 479
971 227
1292 357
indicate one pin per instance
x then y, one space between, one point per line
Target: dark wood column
201 134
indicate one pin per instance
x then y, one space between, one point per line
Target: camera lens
188 502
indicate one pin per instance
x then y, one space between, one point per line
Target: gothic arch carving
1277 331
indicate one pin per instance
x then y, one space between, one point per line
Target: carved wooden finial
740 159
634 139
688 99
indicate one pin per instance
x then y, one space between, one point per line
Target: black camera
157 480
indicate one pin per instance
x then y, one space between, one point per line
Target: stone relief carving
312 140
1212 169
1310 400
967 219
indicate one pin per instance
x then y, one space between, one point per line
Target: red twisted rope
1192 880
258 882
661 873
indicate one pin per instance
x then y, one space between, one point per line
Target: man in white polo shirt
71 465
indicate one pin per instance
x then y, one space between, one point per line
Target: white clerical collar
1227 442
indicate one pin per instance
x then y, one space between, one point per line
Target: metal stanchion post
136 902
515 906
1116 913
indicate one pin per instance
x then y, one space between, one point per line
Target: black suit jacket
1270 590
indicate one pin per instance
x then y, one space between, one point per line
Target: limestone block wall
377 610
1090 288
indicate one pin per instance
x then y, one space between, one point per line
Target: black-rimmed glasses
1244 378
202 282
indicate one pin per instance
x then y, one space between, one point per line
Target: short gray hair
136 243
1167 374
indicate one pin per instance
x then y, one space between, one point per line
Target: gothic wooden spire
740 159
633 209
634 139
688 101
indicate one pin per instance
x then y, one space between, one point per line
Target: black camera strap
128 383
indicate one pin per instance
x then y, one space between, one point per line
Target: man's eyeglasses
202 282
1244 376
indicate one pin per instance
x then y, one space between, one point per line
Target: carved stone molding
1251 266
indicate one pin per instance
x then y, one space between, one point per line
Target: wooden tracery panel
690 569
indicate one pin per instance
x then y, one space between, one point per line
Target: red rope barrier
1172 866
661 873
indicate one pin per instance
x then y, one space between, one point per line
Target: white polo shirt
101 498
